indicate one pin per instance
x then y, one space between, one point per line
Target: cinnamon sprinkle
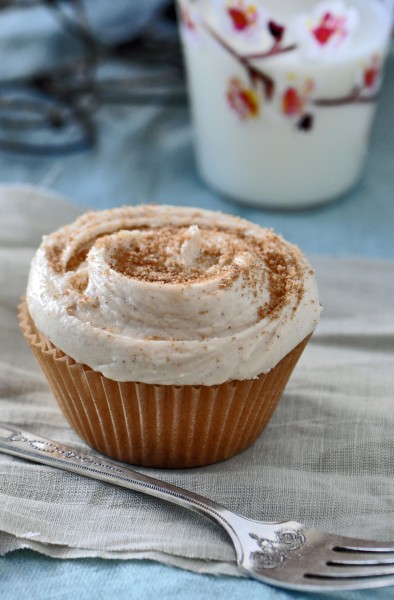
154 256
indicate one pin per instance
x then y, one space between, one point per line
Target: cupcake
168 334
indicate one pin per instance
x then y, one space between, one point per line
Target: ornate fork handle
317 560
46 451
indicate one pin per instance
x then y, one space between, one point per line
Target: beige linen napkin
326 458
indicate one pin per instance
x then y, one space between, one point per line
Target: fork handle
37 448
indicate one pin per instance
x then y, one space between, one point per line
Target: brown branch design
257 75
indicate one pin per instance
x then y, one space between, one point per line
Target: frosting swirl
169 295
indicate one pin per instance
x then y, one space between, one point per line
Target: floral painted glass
283 94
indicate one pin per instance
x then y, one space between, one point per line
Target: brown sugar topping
79 281
155 255
54 257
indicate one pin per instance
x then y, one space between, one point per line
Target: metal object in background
52 111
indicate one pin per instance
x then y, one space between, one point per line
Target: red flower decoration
292 102
243 100
242 16
371 74
239 18
186 18
329 26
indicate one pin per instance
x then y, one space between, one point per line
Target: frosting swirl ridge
170 295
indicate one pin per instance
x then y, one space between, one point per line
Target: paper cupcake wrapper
163 426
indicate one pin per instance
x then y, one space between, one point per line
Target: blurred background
93 106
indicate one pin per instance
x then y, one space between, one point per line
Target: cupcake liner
153 425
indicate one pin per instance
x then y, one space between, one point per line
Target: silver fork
287 555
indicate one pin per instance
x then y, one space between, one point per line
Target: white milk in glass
283 94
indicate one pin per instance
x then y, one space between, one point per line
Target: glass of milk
283 94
